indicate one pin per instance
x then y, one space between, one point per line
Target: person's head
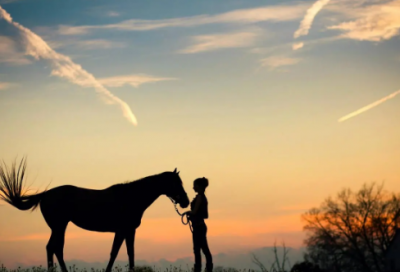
200 185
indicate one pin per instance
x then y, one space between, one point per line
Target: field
120 269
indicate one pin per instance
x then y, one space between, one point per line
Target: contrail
370 106
64 67
306 23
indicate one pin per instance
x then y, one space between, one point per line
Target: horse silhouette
118 209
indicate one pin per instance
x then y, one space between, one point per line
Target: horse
117 209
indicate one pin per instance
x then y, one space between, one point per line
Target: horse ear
175 170
178 173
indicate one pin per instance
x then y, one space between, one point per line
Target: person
198 212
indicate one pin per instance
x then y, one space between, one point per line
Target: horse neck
149 190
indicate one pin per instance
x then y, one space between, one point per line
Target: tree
352 232
277 265
306 267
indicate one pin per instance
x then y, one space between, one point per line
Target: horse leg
50 252
59 239
130 248
118 239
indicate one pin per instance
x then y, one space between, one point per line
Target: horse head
175 189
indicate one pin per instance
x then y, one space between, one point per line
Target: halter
182 215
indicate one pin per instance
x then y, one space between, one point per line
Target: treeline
348 233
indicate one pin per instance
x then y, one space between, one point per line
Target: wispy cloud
133 80
296 208
277 13
30 237
10 54
112 14
297 46
371 20
85 44
319 41
99 44
373 23
45 236
370 106
307 21
221 41
275 62
4 85
64 67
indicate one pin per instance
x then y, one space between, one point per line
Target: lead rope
182 215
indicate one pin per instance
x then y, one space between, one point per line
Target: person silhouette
198 212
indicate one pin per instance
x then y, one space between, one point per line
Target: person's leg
196 249
206 251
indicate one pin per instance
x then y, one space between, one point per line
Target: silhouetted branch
352 232
277 265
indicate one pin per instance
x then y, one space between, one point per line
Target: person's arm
196 206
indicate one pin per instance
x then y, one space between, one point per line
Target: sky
280 104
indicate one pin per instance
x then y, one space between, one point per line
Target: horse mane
136 182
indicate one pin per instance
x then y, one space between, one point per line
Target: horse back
90 209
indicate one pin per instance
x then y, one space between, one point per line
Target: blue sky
158 52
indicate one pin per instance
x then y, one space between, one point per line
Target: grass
118 268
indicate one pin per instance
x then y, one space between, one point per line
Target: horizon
238 259
279 105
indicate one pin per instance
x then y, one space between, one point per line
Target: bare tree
278 265
352 232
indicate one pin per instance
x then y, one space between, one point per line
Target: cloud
275 62
133 80
99 44
373 23
219 41
277 13
10 54
299 208
372 20
7 85
64 67
308 19
112 14
85 44
45 236
370 106
297 46
4 85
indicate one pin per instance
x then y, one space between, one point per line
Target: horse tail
12 188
